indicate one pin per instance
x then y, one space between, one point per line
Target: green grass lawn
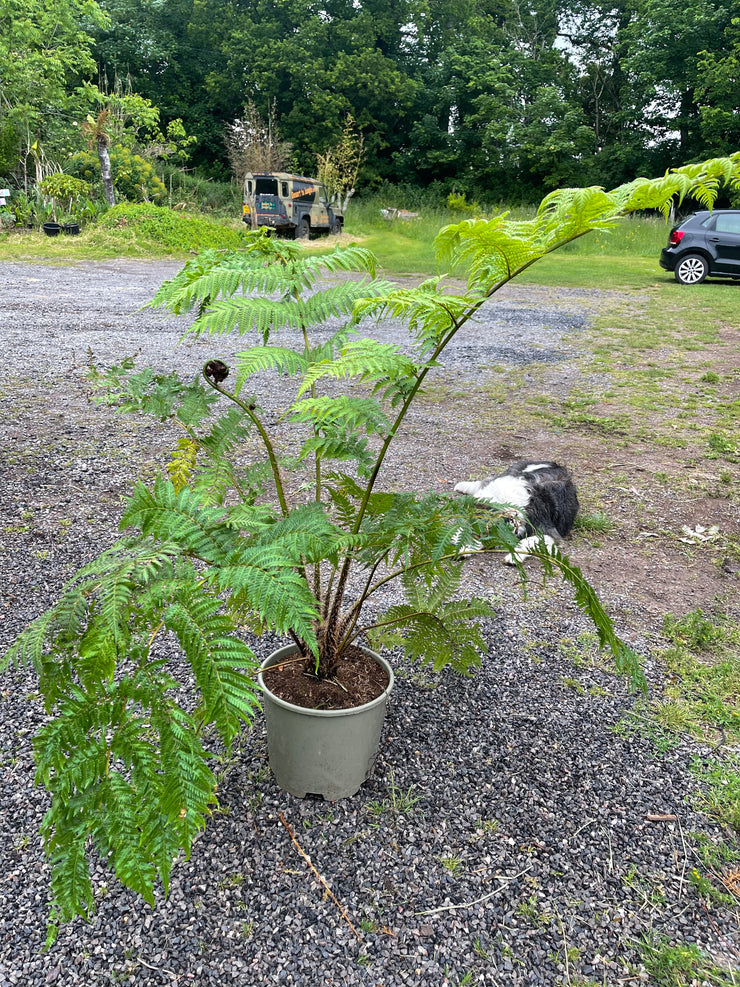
626 256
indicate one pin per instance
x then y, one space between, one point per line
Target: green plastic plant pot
327 752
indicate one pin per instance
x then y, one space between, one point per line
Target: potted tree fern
244 529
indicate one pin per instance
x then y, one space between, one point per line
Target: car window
728 223
266 186
303 192
284 189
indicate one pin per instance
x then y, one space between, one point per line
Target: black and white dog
544 498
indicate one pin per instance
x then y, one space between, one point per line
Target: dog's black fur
543 494
553 503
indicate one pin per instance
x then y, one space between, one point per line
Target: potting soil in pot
358 680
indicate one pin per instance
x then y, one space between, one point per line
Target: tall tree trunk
105 170
252 200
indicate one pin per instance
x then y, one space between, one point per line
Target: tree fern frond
279 597
496 250
246 314
269 314
71 885
179 518
626 661
493 251
71 753
349 414
30 645
160 395
305 535
216 657
213 481
349 258
701 181
265 265
428 313
223 272
162 839
261 358
105 638
339 300
368 360
130 857
340 447
182 463
188 784
227 433
433 632
180 293
345 495
110 578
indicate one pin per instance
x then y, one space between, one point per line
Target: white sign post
4 195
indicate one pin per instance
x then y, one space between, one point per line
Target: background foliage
494 100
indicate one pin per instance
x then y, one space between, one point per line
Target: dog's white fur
543 498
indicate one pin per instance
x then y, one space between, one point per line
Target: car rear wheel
303 230
691 269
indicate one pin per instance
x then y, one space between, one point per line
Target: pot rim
281 653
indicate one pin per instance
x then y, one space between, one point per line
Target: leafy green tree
501 114
45 50
148 45
718 94
339 166
593 34
133 176
317 64
666 44
482 96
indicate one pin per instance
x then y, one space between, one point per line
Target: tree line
496 99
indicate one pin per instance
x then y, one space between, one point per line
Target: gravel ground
504 837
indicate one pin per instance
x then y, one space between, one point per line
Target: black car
706 244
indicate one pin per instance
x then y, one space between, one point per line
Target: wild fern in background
142 662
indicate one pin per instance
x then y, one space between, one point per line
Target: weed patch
720 794
678 965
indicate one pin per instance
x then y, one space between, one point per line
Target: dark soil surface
357 680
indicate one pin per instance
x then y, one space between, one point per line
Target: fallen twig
685 860
278 666
158 969
321 879
724 939
469 904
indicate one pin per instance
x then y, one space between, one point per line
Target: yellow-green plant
213 544
64 188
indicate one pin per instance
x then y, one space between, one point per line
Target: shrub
457 202
134 178
171 229
59 186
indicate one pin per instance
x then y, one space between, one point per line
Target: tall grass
405 246
194 194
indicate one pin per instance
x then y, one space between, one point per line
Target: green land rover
290 204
